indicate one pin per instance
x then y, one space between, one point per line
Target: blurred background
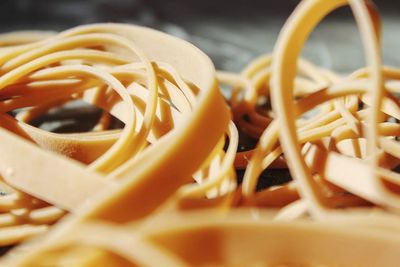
231 32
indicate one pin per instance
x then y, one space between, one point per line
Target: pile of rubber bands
163 190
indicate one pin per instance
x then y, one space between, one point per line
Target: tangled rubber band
163 190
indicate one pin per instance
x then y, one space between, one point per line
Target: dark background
231 32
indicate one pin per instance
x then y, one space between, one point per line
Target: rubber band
163 190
